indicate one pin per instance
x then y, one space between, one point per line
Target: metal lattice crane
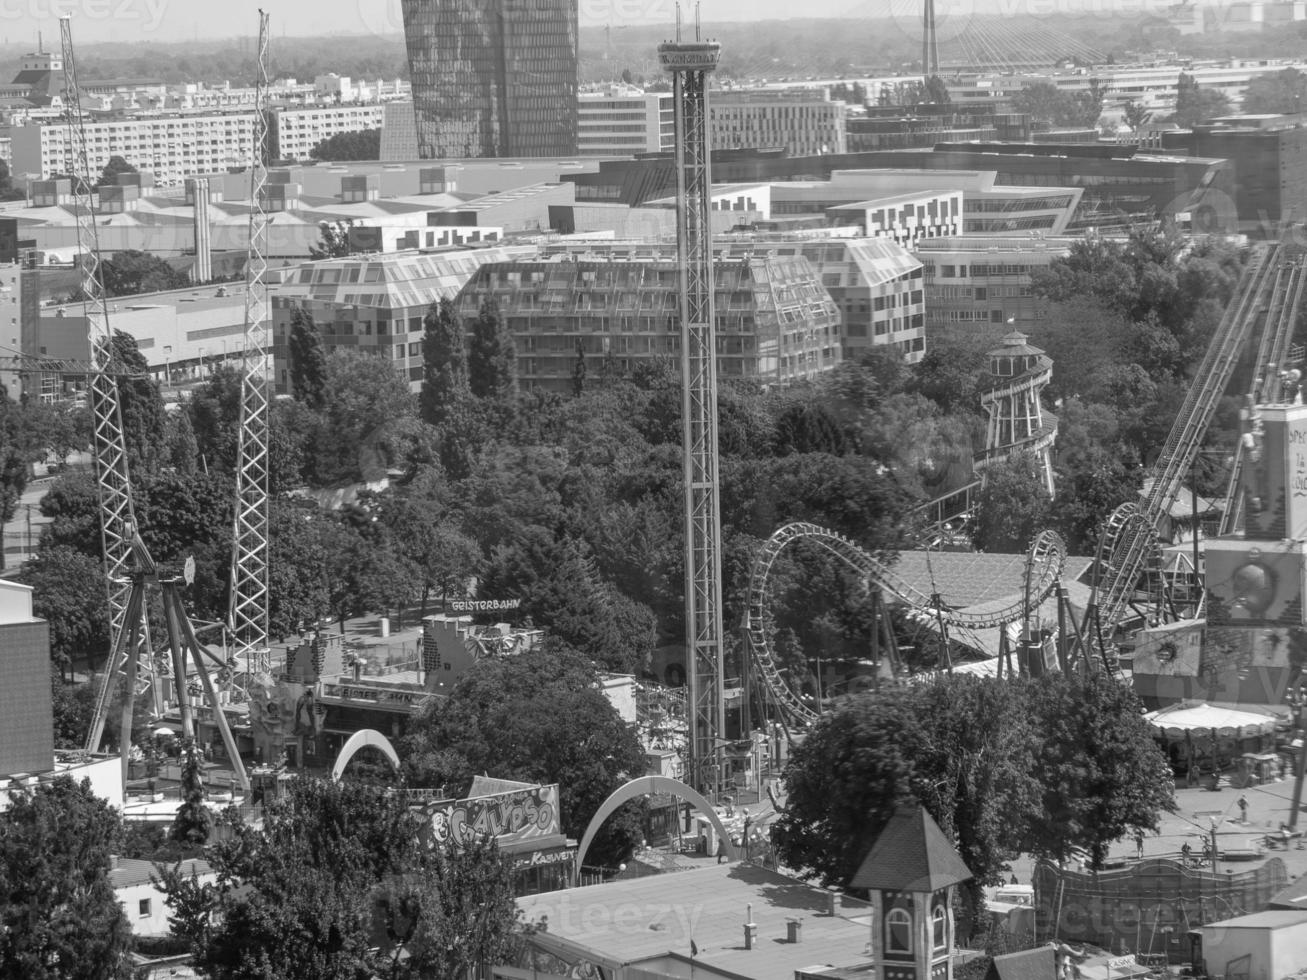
117 517
248 611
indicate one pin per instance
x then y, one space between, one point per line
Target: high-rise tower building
493 78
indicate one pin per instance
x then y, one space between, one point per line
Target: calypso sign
508 817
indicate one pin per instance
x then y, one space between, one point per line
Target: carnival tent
1203 720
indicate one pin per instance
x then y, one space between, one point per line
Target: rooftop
128 872
1271 919
631 920
911 855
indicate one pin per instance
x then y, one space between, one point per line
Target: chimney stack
750 929
794 930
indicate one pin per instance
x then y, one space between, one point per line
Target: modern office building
803 121
493 78
1119 184
775 322
875 283
618 122
375 302
1269 154
983 280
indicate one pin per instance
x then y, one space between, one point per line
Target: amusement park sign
519 815
483 605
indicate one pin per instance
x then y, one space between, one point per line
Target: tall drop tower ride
689 63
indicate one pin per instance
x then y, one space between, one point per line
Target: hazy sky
169 20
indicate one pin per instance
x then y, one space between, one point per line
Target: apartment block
985 280
618 123
775 322
803 121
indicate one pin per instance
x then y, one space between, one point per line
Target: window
939 928
143 908
898 931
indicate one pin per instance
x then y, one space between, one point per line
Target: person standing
1139 845
1243 809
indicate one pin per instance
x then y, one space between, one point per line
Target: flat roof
1271 919
630 920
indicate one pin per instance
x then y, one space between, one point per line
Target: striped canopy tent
1204 720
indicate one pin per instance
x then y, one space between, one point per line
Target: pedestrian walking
1139 845
1243 809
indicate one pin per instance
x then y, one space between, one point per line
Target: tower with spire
1018 422
911 872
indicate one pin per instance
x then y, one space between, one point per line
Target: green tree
1012 507
1282 91
550 724
444 362
361 144
69 594
1194 104
330 884
949 744
73 704
333 242
308 363
492 360
452 920
59 917
132 271
1136 115
363 397
1100 773
193 824
8 192
214 409
116 165
140 402
578 370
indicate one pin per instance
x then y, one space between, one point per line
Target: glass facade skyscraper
493 78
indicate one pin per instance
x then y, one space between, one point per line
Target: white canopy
1204 720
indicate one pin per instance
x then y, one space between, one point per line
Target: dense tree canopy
362 144
336 885
1281 91
1046 765
59 916
537 717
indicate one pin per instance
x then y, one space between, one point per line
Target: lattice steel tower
248 611
689 64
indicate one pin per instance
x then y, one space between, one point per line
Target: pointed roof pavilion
911 855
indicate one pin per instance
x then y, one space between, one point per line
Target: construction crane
1130 543
248 607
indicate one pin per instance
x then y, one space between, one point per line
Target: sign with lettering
379 695
542 859
483 605
519 815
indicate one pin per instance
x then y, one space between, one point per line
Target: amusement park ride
1129 585
131 574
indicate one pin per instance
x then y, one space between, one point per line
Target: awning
1205 720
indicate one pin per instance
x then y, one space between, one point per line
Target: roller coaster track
1044 563
1130 541
1273 355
